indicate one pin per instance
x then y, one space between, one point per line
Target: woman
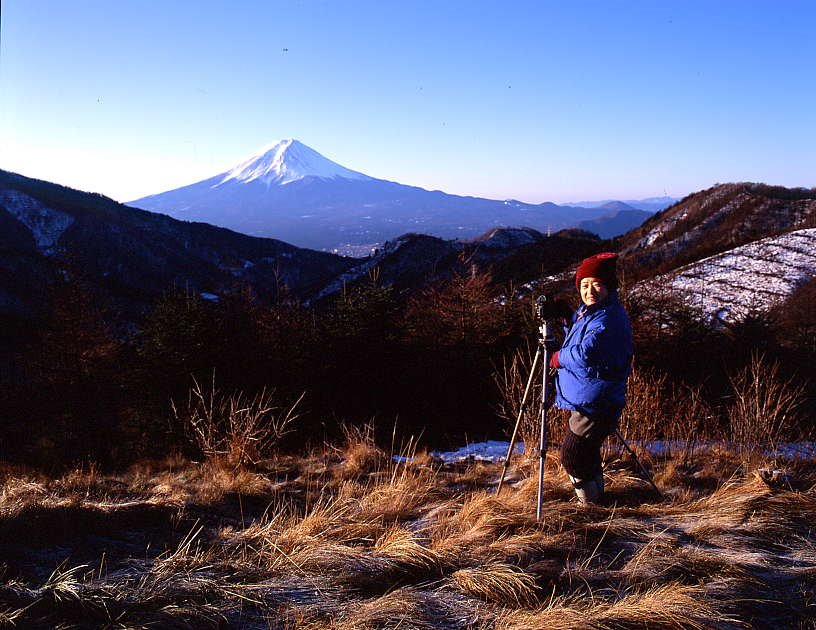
593 365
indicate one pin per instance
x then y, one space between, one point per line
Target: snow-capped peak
287 161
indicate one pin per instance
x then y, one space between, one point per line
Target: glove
554 362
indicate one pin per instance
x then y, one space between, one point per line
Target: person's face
592 291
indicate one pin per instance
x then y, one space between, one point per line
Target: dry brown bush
234 428
360 455
511 381
766 406
657 408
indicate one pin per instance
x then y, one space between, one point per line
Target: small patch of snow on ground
496 450
490 451
46 224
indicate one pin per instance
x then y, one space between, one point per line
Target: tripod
637 461
545 344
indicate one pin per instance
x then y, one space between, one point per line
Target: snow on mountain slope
285 162
46 224
749 278
713 221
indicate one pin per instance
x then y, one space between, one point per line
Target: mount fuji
291 192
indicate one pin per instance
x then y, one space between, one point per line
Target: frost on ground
746 279
348 539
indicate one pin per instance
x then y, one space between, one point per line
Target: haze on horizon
538 101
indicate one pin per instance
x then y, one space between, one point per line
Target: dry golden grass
501 583
347 539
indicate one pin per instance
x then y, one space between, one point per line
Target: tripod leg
637 461
543 430
520 414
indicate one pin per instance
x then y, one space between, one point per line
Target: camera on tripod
552 309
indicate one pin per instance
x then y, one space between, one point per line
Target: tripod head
540 305
552 309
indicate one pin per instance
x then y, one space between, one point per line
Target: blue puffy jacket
596 359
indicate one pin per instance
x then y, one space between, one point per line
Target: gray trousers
581 449
590 426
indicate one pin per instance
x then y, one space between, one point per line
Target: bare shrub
235 428
361 455
511 380
693 418
645 417
766 406
657 408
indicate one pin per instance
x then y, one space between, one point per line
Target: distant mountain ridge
620 220
413 261
650 204
131 256
291 192
728 251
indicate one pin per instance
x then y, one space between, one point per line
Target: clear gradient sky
537 101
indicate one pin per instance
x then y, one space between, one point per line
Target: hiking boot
588 490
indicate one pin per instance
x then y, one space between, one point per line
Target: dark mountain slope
547 257
133 254
510 255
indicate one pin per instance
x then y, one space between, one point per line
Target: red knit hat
601 266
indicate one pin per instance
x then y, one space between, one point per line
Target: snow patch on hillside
698 231
358 271
46 224
285 162
750 278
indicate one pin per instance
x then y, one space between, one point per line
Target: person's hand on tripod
554 362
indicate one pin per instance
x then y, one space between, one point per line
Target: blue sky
532 100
